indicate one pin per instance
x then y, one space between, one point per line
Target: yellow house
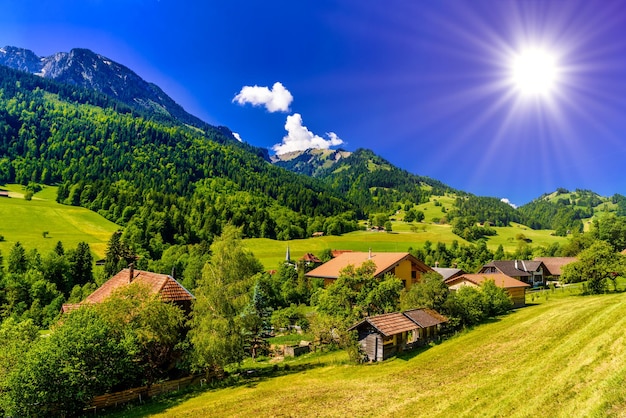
402 265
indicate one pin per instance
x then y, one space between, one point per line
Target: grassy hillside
563 357
404 235
25 221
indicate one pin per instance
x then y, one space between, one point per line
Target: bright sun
534 72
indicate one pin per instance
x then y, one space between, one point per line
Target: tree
60 374
467 304
357 293
496 300
217 327
596 264
17 261
153 327
80 262
16 339
430 292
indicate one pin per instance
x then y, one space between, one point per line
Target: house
515 288
163 285
4 193
403 265
310 259
448 273
554 266
317 234
383 336
527 271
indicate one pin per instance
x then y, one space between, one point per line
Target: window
413 274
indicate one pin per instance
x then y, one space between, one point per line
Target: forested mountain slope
374 184
166 183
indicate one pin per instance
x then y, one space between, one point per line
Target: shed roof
389 324
384 262
425 317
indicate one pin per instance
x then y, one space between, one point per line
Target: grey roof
446 273
508 267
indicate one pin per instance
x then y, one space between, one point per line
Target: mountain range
84 68
174 155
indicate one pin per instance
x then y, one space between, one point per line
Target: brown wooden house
384 336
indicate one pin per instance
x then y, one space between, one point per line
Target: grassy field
404 235
26 221
562 357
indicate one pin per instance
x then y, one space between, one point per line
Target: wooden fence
141 393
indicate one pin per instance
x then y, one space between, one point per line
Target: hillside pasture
403 236
26 221
563 357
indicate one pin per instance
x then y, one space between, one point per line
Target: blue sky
425 84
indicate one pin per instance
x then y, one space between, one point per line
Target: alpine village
152 264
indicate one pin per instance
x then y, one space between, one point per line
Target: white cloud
237 137
299 138
508 202
277 99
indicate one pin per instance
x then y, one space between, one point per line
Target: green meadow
26 221
563 356
403 236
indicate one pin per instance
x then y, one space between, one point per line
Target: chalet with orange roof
168 289
386 335
515 288
403 265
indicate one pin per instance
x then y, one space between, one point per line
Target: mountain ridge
85 68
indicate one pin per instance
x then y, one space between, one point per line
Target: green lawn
26 221
564 356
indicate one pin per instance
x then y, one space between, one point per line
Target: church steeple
288 255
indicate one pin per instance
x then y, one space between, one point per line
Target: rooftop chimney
131 267
516 265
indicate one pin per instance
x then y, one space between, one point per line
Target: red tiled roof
383 261
168 288
308 257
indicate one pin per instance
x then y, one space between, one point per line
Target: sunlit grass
26 222
561 357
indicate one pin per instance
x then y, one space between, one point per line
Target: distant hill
312 162
366 179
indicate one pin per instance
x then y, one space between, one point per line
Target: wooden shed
384 336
